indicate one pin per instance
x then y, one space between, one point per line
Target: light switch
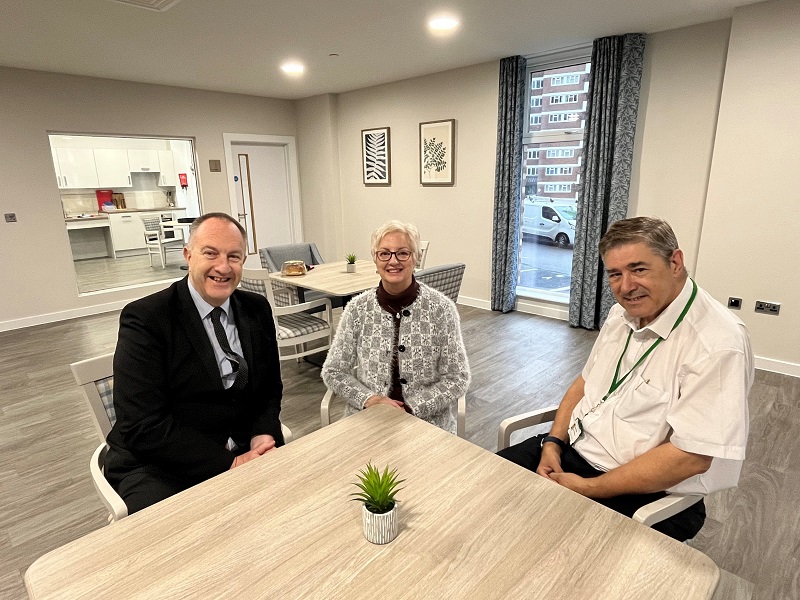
215 166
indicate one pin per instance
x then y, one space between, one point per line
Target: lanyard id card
575 431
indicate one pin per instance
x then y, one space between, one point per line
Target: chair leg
163 257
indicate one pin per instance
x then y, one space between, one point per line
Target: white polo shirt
691 390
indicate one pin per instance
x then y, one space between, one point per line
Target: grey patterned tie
238 362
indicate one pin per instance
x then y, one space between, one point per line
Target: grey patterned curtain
608 155
508 182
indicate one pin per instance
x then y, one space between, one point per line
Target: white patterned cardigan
433 362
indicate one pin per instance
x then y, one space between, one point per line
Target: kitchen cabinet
113 170
76 167
166 162
143 161
127 232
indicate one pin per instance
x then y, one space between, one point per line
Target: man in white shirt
661 405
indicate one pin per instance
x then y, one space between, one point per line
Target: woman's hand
377 399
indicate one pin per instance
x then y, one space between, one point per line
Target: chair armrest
115 505
461 417
303 306
287 434
665 507
325 408
528 419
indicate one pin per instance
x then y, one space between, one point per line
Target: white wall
40 283
678 106
457 220
750 243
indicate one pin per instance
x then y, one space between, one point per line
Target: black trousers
681 527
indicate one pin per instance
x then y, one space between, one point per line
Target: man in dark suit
197 384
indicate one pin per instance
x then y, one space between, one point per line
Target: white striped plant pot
380 528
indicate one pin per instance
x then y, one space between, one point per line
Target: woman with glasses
399 344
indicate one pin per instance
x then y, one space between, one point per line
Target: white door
262 184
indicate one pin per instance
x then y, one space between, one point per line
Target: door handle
65 180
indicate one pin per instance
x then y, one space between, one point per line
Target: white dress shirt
691 390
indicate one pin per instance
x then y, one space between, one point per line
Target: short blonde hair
407 229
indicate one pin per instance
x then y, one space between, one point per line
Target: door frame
289 145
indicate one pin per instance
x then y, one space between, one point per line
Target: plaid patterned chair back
152 224
105 387
444 278
284 295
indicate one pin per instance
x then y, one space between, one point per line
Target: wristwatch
556 440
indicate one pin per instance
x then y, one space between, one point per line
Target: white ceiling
238 45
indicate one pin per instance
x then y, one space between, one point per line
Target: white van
550 219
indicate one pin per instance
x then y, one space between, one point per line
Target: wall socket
735 303
768 308
11 217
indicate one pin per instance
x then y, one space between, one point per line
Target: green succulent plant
350 258
377 489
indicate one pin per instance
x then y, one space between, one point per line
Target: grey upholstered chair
293 325
444 278
272 259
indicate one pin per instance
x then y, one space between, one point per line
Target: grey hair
407 229
655 233
215 215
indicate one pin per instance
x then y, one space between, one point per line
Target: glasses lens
403 255
384 255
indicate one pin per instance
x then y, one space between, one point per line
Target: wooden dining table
333 279
472 525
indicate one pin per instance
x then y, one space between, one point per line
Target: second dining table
333 279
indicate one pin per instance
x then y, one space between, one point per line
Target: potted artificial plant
379 508
351 263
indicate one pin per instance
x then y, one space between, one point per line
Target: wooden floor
95 274
518 362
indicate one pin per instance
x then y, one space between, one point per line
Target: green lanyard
615 383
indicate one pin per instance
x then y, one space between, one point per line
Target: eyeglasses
385 255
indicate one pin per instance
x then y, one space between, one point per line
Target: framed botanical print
437 152
376 156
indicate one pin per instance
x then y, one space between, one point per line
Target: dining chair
272 259
648 515
95 376
325 412
423 248
294 326
444 278
158 242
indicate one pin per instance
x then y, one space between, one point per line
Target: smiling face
643 282
215 257
395 275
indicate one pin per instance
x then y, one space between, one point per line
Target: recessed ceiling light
443 23
292 68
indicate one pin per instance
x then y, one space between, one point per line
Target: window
558 171
571 79
556 143
563 98
560 152
563 117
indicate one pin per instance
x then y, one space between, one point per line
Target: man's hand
549 461
582 485
260 449
257 440
378 399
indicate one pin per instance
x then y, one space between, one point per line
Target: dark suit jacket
171 406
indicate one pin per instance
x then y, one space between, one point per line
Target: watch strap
556 440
